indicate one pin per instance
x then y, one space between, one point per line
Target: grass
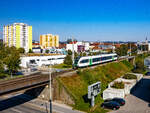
61 66
77 84
129 76
118 85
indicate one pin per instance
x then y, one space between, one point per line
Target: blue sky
91 20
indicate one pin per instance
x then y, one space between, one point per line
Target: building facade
78 46
18 35
49 40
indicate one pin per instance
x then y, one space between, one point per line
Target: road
17 105
139 99
21 103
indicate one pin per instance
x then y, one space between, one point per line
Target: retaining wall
120 93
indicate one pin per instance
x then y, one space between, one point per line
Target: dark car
121 101
110 105
148 74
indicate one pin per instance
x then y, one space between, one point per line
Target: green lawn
61 66
77 84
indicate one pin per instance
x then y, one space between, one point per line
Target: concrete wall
129 84
59 93
112 92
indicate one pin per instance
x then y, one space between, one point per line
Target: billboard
93 89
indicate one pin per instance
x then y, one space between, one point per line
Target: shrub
129 76
68 60
118 85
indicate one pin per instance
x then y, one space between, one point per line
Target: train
86 61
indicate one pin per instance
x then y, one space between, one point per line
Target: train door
90 61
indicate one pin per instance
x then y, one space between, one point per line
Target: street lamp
72 52
50 87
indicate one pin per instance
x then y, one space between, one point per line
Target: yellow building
18 35
49 40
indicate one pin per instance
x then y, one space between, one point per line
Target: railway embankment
75 86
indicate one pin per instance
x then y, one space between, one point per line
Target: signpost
93 90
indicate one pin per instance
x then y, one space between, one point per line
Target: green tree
84 54
139 67
70 40
1 67
68 60
12 60
30 51
69 52
9 58
122 50
47 51
21 50
133 48
75 55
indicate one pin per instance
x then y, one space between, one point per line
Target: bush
2 75
68 60
118 85
129 76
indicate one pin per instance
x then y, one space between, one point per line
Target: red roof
73 42
35 44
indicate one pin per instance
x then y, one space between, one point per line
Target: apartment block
18 35
49 40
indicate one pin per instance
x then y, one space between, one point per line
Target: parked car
110 105
121 101
148 74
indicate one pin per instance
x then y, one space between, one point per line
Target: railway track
33 80
8 86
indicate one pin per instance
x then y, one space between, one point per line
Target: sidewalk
44 105
58 108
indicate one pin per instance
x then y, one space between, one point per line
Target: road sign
94 89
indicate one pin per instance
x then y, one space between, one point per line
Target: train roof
98 55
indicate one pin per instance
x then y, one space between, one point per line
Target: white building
29 61
77 46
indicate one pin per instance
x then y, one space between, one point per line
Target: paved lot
21 103
138 101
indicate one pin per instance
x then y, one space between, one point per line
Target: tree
144 47
1 67
47 51
69 52
12 61
133 48
68 60
30 51
139 68
70 40
122 50
84 54
21 50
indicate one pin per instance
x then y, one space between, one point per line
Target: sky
84 20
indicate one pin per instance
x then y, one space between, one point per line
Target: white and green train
93 60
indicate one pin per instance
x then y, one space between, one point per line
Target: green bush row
118 85
130 76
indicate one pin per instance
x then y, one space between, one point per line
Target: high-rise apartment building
18 35
49 40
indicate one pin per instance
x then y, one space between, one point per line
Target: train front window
84 61
32 62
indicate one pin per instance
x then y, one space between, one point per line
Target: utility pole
130 48
72 51
50 89
113 47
